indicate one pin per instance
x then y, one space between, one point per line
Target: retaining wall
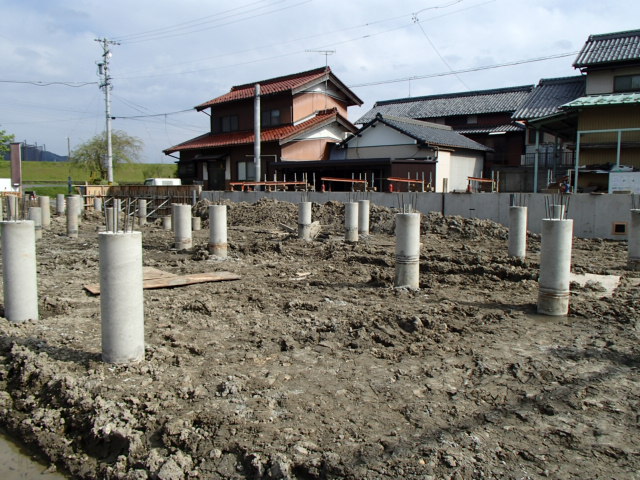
594 215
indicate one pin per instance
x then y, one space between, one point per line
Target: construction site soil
313 365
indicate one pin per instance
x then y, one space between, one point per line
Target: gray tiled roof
427 132
618 47
511 127
451 104
549 95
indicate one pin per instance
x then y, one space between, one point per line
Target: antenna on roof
326 54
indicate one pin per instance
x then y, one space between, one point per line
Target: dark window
270 118
626 83
472 119
247 170
229 123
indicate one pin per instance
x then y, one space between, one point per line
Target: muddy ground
313 366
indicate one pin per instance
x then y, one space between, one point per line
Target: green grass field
34 173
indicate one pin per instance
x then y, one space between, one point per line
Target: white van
162 181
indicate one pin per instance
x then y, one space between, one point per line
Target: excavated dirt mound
313 366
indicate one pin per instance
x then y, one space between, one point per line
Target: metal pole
256 128
535 162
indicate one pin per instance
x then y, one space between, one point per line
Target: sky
173 55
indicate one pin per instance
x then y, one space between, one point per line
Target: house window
472 119
626 83
270 118
229 123
246 171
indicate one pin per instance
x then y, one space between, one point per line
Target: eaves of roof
281 134
631 98
506 128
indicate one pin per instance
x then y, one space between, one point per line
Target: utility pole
257 132
103 71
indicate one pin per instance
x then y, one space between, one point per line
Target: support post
35 214
304 221
121 299
518 232
182 226
407 250
555 267
351 222
634 241
44 203
218 231
19 271
363 217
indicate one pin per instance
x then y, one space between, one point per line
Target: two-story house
483 116
301 116
608 115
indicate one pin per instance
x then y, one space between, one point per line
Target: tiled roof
464 103
549 95
510 127
631 98
276 134
618 47
281 84
427 132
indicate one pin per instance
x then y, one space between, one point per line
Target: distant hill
37 153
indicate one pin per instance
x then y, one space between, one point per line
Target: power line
153 114
177 34
48 84
197 21
466 70
308 37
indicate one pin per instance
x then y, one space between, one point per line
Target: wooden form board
155 278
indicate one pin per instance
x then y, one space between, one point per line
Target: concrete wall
593 215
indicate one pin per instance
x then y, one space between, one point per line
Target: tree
5 140
92 154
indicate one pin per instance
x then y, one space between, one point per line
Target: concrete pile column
35 214
12 207
555 266
363 217
196 223
304 221
633 261
97 204
557 212
142 212
218 230
45 205
121 299
407 250
518 232
351 222
77 202
2 202
60 204
166 222
108 215
182 226
19 272
72 217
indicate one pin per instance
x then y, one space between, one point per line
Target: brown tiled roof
276 134
277 85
